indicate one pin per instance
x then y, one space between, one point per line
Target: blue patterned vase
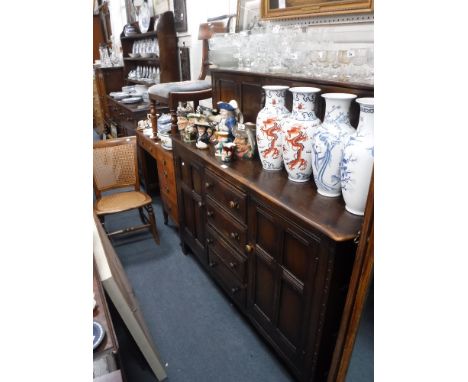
358 160
328 143
297 130
269 135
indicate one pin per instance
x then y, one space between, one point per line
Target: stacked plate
119 95
133 99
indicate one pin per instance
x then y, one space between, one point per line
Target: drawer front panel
223 275
229 229
226 195
235 262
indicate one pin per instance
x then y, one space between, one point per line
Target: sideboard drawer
234 288
226 195
235 262
229 229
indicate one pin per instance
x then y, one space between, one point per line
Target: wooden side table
166 175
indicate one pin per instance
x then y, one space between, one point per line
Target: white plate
119 95
131 100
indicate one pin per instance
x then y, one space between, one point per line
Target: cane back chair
115 166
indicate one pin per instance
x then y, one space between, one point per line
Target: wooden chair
171 93
115 166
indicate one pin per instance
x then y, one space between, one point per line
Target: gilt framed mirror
284 9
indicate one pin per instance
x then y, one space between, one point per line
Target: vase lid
339 96
304 89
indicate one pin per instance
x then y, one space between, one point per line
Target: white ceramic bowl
134 55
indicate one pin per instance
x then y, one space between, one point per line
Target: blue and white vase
269 135
297 130
358 160
328 143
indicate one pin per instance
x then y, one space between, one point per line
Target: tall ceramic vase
269 136
358 160
328 143
298 130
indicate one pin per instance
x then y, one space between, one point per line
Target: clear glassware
344 57
358 61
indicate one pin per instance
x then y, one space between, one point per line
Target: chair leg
143 218
152 221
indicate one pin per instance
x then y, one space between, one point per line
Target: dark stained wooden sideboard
282 252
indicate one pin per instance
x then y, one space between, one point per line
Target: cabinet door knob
233 204
208 185
165 173
210 213
232 265
234 290
209 241
248 248
212 264
200 204
183 163
234 235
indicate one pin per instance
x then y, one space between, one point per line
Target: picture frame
248 14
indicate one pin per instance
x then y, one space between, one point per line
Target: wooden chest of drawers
282 252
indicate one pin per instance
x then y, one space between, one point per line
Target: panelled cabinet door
191 205
282 265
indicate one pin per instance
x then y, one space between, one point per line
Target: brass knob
233 204
234 235
200 204
232 265
210 213
208 185
248 248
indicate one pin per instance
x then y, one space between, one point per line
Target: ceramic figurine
358 160
328 143
230 116
222 138
298 130
203 137
189 133
227 151
269 136
245 141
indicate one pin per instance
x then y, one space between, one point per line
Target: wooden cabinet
282 252
168 59
107 80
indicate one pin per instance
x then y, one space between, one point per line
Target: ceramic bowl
134 55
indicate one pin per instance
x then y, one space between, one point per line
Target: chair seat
120 202
163 90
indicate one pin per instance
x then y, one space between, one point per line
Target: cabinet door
282 266
189 177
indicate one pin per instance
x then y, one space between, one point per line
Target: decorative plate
131 100
98 334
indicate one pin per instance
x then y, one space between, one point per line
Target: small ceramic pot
227 151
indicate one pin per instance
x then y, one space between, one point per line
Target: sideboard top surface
328 215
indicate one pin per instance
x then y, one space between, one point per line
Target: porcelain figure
328 143
269 135
358 160
297 130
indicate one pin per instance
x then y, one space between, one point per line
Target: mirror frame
304 8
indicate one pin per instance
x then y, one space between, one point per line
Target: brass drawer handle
232 265
234 235
234 290
208 185
233 204
248 248
210 213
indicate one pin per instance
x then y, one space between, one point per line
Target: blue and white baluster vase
269 135
358 160
298 130
328 143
